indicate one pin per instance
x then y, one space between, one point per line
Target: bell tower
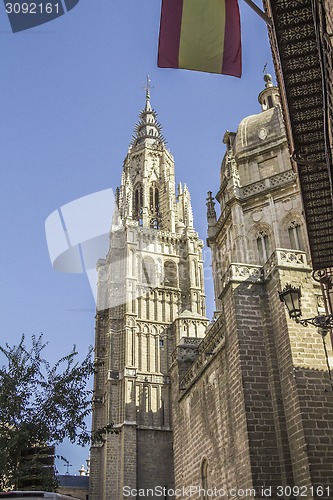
150 294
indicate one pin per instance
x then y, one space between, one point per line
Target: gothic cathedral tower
150 294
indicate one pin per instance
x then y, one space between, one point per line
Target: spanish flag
201 35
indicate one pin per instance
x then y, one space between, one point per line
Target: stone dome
258 130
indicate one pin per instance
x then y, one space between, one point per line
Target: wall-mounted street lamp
291 297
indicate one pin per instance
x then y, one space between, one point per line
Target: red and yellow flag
201 35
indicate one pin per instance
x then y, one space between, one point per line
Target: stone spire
185 212
211 215
147 191
148 129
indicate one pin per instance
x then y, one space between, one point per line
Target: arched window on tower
170 273
154 206
148 272
204 477
138 203
263 246
295 235
270 101
195 273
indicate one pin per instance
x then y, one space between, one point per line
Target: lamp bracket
323 322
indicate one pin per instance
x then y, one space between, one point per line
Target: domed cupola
263 129
269 97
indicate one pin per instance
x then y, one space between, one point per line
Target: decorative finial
148 86
211 213
268 80
148 128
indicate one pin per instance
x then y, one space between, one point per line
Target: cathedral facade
237 408
150 294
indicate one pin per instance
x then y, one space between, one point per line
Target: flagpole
260 13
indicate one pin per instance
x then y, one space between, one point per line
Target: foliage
99 434
35 469
40 405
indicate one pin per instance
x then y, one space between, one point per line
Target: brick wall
155 463
252 334
306 391
209 423
199 433
260 410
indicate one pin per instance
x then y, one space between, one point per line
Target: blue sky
71 92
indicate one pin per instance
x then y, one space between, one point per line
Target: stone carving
263 134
